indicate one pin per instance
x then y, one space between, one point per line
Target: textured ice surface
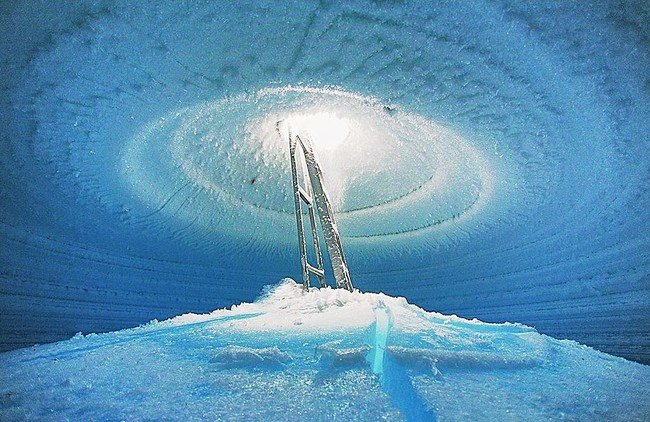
497 166
322 355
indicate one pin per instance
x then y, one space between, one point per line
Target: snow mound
324 354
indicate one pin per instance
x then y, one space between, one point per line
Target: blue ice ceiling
492 159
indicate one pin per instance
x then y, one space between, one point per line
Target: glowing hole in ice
328 131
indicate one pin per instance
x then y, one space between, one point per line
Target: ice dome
484 159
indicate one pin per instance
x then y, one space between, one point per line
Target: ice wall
495 161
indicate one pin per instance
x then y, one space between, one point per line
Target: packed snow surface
321 355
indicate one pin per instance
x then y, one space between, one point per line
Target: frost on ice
326 354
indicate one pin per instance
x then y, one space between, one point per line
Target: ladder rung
304 195
317 271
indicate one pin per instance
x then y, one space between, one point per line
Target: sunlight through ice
327 130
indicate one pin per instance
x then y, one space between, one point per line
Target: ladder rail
299 222
319 253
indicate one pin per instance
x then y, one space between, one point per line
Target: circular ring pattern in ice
389 172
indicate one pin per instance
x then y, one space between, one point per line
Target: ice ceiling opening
488 159
328 131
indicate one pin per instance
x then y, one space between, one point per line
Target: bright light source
327 130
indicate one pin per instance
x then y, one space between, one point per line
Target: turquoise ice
321 355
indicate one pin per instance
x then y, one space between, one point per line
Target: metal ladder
314 194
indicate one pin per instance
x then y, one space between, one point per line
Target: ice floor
322 355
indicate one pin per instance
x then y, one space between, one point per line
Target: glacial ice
497 162
320 355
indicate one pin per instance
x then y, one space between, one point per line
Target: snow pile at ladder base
326 355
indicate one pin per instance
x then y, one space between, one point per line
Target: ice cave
486 166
